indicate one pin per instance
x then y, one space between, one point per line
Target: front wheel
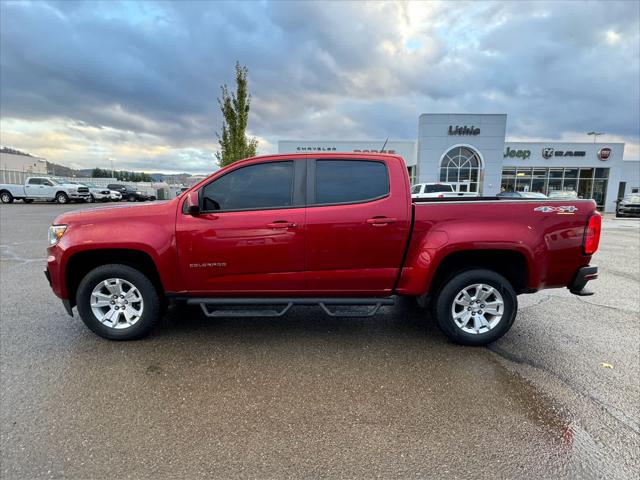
131 198
118 302
62 198
476 307
91 198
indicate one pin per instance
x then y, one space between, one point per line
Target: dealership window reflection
588 182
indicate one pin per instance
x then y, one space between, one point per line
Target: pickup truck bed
336 230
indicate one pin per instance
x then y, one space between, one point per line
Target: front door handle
381 221
281 224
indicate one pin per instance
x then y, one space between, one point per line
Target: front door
357 227
249 236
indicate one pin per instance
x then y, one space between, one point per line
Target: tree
234 144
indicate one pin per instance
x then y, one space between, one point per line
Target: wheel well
508 263
83 262
61 191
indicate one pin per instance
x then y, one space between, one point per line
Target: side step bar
286 303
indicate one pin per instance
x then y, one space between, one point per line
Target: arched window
461 167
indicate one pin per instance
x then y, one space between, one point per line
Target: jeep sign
524 154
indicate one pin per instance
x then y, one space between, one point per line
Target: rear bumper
583 275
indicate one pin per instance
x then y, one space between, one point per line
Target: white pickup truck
437 190
44 188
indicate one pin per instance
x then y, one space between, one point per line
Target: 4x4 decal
560 209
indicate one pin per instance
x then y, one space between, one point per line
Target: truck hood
111 212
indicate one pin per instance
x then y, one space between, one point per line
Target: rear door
249 236
357 226
34 188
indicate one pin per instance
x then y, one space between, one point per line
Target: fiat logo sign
604 153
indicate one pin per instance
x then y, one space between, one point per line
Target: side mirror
193 203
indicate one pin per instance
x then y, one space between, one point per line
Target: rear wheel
6 197
476 307
131 198
118 302
62 198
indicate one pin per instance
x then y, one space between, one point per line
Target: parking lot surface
307 396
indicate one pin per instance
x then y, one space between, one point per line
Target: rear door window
35 181
350 181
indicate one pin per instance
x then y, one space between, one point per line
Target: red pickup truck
335 230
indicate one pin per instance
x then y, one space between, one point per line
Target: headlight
138 193
55 233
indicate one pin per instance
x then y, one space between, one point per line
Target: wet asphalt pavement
308 396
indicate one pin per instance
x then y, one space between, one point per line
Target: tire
6 197
119 330
618 214
131 198
62 198
28 200
91 199
503 297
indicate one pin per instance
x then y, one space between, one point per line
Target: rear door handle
381 221
281 224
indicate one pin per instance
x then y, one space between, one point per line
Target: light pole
595 135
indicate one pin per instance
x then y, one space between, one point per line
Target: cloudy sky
83 82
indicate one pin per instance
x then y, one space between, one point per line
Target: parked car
521 195
44 188
97 193
115 196
437 190
563 194
333 230
628 206
128 192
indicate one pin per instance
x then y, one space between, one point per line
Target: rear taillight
592 234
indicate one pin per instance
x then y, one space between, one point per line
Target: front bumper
629 210
65 302
79 196
583 275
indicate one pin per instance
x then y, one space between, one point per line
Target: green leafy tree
234 143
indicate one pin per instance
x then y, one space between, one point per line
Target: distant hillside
61 171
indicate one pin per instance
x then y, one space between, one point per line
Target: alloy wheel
477 308
117 303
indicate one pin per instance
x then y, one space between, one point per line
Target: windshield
55 181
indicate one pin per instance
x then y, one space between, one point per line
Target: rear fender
429 248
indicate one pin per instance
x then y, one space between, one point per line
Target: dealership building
470 152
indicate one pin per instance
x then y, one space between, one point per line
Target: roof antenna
384 145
